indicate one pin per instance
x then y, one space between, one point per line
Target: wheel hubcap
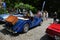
26 28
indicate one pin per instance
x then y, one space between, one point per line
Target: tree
25 6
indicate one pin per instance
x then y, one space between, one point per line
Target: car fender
21 26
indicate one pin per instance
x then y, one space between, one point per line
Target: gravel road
37 33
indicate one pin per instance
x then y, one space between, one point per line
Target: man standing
55 16
39 14
0 3
46 15
4 6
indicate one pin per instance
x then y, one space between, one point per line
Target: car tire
40 23
26 28
50 38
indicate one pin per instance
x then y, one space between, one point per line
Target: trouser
54 19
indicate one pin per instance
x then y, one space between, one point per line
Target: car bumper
11 30
54 37
50 35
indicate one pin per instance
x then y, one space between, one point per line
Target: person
55 16
31 13
46 15
4 6
39 13
25 13
43 15
17 11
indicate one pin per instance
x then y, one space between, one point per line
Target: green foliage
16 5
2 11
25 6
20 5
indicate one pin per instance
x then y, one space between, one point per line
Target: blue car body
18 27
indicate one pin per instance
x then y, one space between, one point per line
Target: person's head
45 11
55 12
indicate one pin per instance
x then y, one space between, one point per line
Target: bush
25 6
2 11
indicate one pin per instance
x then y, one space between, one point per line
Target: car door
36 21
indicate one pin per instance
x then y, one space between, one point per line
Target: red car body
53 30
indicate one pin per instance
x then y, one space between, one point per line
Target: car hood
55 27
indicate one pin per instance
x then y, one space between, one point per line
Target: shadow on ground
46 37
1 22
5 32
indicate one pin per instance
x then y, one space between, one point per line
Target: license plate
57 37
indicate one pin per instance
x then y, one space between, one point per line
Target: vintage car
23 24
53 30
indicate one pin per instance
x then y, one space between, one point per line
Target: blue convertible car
23 24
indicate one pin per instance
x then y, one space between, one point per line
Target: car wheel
40 23
50 38
26 28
